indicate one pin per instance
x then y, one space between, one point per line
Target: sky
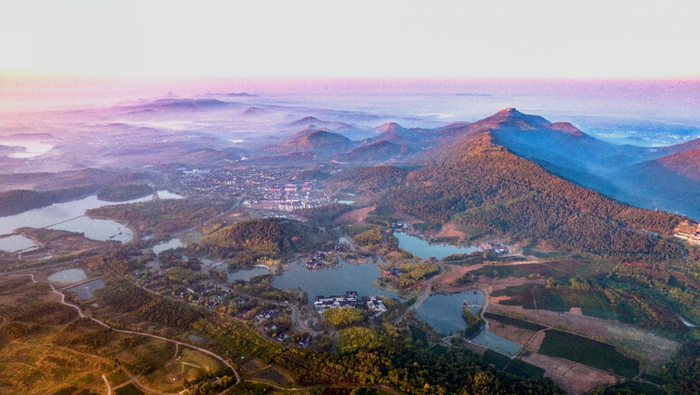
309 39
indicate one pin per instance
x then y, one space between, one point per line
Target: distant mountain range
666 178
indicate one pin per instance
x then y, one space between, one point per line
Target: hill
631 174
348 130
319 141
686 163
379 151
478 182
263 238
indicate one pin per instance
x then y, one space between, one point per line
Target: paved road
295 315
419 302
80 313
109 388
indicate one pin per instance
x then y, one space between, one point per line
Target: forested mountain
647 177
320 141
381 150
249 240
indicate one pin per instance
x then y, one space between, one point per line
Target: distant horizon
81 90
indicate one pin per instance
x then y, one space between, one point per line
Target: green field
640 388
588 352
592 303
522 368
559 270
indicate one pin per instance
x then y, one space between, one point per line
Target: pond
166 245
444 311
164 194
68 276
425 250
246 274
86 290
17 243
97 229
496 343
332 281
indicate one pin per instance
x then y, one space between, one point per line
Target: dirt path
177 343
487 300
109 388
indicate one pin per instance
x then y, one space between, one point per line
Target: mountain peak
306 121
389 127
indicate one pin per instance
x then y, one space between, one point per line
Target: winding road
178 343
419 302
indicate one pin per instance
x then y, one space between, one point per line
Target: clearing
354 216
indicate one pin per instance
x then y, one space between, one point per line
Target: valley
510 253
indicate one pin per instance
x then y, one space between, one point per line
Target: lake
86 290
444 311
425 250
68 276
332 281
166 245
17 243
70 216
245 274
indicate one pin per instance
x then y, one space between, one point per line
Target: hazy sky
351 39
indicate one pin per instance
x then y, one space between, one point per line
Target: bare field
273 375
655 350
452 273
513 333
534 346
252 365
575 311
514 282
572 377
450 230
589 326
190 365
354 216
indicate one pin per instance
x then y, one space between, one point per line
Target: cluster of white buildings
332 302
376 304
691 236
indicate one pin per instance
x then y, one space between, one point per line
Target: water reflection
166 245
86 290
70 216
496 343
68 276
423 249
17 243
444 311
332 281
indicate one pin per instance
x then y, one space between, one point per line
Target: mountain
254 111
318 141
305 122
378 151
185 105
635 175
478 182
348 130
686 163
